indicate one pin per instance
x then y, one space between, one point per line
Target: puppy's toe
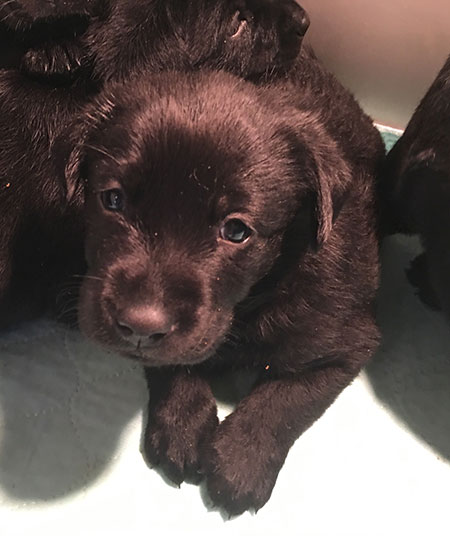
226 496
239 475
56 60
176 447
177 461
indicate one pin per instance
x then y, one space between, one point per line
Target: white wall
388 52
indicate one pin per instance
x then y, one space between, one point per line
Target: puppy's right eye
235 231
113 200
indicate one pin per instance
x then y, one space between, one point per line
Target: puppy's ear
321 167
70 150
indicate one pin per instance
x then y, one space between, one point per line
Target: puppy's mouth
155 360
177 345
159 354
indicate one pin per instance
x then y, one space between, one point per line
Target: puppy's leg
419 277
182 416
427 194
250 445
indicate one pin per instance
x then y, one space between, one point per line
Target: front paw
240 470
54 60
174 438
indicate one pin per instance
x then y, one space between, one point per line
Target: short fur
295 160
42 237
416 191
59 40
42 37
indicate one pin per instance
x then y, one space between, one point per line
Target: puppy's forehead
187 169
204 144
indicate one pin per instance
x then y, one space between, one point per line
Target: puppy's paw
240 472
174 439
60 60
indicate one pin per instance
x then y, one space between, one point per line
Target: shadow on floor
63 407
411 372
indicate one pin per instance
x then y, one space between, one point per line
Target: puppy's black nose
143 326
299 19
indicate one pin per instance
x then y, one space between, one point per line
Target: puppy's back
311 86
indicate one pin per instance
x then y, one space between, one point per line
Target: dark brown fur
42 236
42 37
295 160
416 191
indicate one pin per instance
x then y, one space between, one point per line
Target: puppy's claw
240 474
226 496
176 449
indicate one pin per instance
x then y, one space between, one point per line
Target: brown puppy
41 232
416 191
231 226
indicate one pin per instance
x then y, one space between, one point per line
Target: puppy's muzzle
143 326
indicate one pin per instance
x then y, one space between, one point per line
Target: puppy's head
245 37
249 37
192 184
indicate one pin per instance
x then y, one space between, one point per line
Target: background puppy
231 226
246 37
41 231
54 40
416 191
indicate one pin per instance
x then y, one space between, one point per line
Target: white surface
388 53
70 425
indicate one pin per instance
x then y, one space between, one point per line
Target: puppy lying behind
416 190
231 226
246 37
41 243
57 40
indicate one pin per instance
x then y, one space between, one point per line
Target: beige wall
386 51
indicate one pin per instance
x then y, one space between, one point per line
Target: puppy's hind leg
182 416
432 196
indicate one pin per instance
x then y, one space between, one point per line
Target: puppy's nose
299 18
144 325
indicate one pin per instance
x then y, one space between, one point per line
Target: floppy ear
322 167
70 149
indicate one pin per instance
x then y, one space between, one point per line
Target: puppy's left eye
113 200
235 230
238 24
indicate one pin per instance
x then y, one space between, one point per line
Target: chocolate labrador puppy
416 191
42 233
117 37
231 226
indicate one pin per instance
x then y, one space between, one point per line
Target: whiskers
67 303
104 152
87 276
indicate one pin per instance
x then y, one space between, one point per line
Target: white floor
376 464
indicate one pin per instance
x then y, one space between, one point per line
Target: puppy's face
245 37
191 186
